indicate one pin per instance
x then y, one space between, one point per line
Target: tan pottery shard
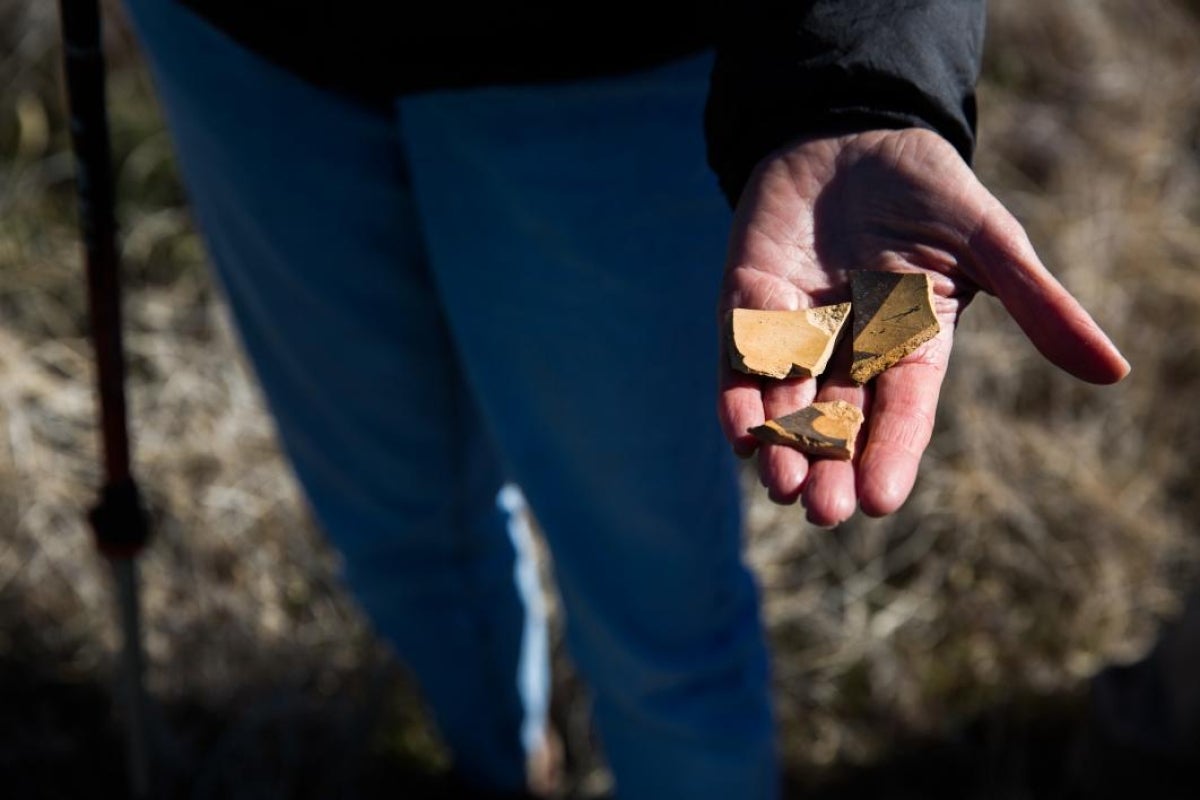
893 315
781 344
822 429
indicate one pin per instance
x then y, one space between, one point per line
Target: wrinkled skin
888 200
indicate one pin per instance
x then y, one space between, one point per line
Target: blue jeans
472 291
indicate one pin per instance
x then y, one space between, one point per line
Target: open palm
886 200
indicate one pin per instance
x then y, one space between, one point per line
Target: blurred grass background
945 651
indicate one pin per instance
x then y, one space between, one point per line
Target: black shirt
783 69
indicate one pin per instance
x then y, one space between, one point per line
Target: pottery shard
782 344
893 315
822 429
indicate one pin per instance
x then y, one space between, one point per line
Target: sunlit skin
888 200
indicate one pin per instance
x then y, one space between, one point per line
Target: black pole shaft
118 519
137 738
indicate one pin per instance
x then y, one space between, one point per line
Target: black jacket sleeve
785 70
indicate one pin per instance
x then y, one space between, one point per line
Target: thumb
1050 316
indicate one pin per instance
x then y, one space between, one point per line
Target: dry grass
1051 532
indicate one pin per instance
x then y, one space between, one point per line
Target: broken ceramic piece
822 429
783 344
893 316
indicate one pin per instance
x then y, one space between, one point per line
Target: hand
887 200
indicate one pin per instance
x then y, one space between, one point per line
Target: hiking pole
118 519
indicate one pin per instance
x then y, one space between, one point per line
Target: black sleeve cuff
828 67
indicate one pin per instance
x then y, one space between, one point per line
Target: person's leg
578 238
304 203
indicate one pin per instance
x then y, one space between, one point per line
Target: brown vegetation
1051 532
